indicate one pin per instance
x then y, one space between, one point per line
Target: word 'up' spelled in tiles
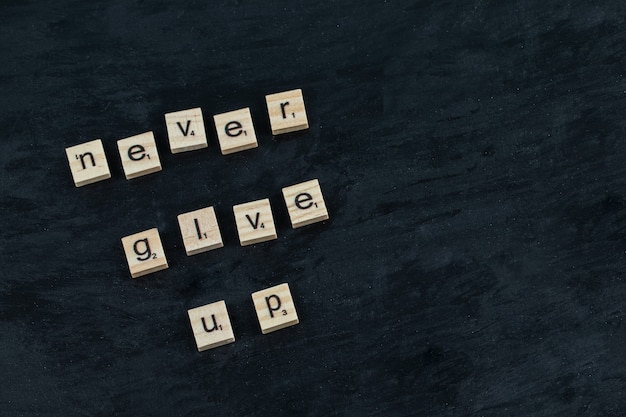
144 253
275 308
305 203
287 112
255 222
185 130
139 155
211 325
88 163
235 131
200 231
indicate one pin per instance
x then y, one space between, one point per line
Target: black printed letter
195 221
303 198
134 150
230 126
269 307
256 221
215 326
145 254
82 159
186 129
282 108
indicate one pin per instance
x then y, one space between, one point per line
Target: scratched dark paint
472 159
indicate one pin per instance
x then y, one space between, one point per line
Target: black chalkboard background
472 159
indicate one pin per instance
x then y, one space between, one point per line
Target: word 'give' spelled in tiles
200 231
186 132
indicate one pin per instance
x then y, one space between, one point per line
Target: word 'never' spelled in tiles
186 132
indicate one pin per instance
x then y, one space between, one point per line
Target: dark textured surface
472 158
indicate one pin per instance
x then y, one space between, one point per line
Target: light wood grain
287 112
88 163
255 222
211 325
200 231
185 130
235 131
305 203
139 155
275 308
144 253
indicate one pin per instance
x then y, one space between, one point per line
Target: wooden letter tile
287 112
211 325
274 308
200 231
305 203
88 163
144 253
139 155
255 222
185 130
235 131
